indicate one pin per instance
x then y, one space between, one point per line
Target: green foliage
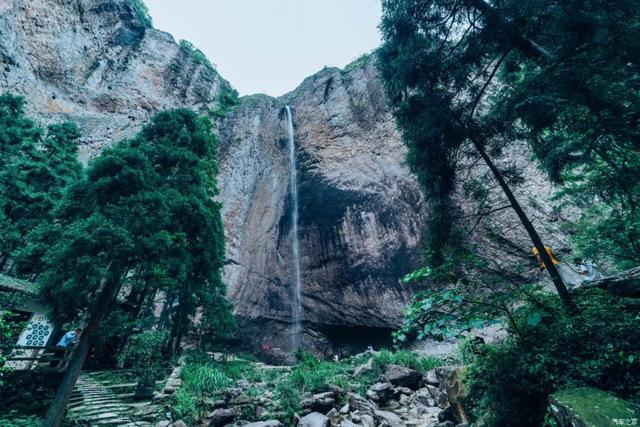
462 295
204 380
598 347
359 62
482 74
287 398
195 54
314 375
142 12
144 352
144 218
28 393
8 331
9 420
227 101
36 165
185 406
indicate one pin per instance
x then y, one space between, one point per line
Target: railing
25 357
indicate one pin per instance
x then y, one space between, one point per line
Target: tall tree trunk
58 406
533 234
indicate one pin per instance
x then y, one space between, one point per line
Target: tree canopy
543 71
36 165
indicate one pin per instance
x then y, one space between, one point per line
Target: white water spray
296 303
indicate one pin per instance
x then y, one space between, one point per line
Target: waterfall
296 304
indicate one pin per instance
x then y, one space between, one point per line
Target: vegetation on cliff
467 80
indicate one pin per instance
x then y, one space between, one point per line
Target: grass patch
202 378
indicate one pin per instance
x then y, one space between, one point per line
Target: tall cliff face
93 62
361 210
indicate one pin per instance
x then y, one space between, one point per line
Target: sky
270 46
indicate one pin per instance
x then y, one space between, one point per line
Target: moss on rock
590 407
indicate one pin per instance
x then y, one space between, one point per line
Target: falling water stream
296 305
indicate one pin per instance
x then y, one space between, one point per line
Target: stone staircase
96 404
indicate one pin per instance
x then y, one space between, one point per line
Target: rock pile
400 397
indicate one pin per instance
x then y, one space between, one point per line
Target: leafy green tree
143 219
35 167
544 71
438 59
509 384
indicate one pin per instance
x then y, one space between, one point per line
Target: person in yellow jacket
536 254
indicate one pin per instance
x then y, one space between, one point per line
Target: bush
185 406
28 392
313 375
204 380
142 12
598 347
196 55
200 378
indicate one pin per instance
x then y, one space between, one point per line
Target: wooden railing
29 357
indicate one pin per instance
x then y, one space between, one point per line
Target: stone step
103 416
118 422
102 406
97 400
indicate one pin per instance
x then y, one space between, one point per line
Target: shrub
196 55
28 392
313 375
185 406
287 398
405 358
142 12
599 347
205 379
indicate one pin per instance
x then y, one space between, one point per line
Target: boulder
430 396
388 419
314 419
452 388
363 369
403 377
334 417
321 402
367 420
446 424
624 284
431 378
222 417
380 392
590 407
347 423
359 403
179 423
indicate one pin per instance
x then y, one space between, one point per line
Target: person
549 251
69 339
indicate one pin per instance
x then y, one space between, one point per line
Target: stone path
95 404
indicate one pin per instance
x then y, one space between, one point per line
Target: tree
439 59
35 167
142 220
548 74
